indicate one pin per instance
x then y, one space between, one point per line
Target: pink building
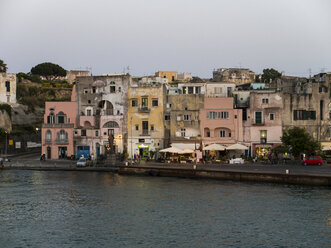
264 121
58 129
220 122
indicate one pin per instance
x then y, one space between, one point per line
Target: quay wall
268 177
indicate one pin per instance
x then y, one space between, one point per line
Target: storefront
143 151
262 150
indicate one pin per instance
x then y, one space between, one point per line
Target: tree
297 140
3 66
49 70
270 74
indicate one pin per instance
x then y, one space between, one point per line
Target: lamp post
6 143
131 142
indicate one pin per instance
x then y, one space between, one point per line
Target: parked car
82 162
313 160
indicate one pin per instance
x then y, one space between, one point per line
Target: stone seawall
269 177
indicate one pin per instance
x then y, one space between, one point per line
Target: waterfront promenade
285 173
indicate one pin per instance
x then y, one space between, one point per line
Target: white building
8 88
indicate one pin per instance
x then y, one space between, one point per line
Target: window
111 124
152 127
167 117
111 132
184 90
155 102
182 132
145 127
137 127
190 90
263 136
88 112
217 115
85 91
258 117
134 102
211 115
217 90
222 133
304 115
89 101
119 89
169 105
198 90
94 90
96 133
229 134
265 100
271 116
144 102
112 89
173 78
7 86
187 117
61 118
141 140
50 118
48 136
208 133
83 132
223 115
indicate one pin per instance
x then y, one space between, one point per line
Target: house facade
8 88
145 119
102 105
57 132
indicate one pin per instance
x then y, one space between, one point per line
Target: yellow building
145 119
170 75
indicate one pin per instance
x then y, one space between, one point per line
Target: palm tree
3 66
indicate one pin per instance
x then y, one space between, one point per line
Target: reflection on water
84 209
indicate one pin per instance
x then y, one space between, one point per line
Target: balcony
145 133
144 109
48 141
60 125
61 141
258 124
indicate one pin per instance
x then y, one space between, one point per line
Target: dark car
313 160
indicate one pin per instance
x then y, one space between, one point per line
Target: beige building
145 119
8 88
170 75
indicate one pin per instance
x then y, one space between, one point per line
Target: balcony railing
145 133
144 109
61 141
60 125
48 141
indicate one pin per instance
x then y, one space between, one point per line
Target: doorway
62 152
49 152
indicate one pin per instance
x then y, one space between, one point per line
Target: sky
142 37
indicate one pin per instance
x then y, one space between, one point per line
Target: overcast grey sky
184 35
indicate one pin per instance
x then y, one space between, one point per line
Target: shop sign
18 144
263 145
143 146
11 142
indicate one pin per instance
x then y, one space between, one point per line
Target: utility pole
131 142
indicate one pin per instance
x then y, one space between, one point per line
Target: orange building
170 75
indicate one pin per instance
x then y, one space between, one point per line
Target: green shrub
7 108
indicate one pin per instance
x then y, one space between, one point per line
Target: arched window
87 124
48 137
61 118
222 132
106 108
62 135
111 124
50 118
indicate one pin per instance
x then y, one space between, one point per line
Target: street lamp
6 142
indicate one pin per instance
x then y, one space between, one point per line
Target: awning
183 146
326 148
214 147
237 147
171 150
186 151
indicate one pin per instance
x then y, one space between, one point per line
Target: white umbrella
237 147
186 151
326 148
171 150
214 147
